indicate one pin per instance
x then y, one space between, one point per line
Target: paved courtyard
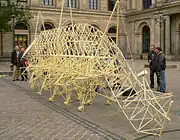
24 115
23 118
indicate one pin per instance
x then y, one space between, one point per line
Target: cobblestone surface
28 119
22 118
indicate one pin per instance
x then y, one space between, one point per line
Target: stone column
1 47
140 5
156 33
167 36
154 2
177 43
133 4
152 34
159 36
128 4
137 43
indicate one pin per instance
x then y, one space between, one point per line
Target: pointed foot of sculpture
81 108
89 102
78 99
108 102
51 99
67 103
39 93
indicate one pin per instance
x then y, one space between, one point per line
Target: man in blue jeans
152 59
161 66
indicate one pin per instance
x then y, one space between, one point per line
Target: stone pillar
177 50
154 2
137 43
178 43
156 33
167 36
1 43
152 34
128 4
159 35
133 4
140 5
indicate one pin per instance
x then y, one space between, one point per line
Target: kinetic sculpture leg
78 58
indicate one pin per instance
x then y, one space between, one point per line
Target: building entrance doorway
21 40
21 35
145 39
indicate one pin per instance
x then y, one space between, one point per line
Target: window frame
108 3
46 24
23 1
43 2
67 5
90 2
112 35
146 4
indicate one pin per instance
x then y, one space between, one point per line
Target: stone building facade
154 22
94 12
146 22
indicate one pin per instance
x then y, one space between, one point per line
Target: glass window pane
147 3
73 3
51 2
67 3
93 4
46 2
42 1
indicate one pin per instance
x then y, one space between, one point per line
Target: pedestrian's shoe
13 80
17 79
158 88
151 86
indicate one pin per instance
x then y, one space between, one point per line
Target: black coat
161 62
152 59
14 59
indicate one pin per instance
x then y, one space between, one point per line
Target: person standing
161 67
15 63
153 66
23 65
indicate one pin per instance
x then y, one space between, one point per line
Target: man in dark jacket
161 66
15 62
153 66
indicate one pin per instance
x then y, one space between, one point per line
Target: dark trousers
152 71
24 74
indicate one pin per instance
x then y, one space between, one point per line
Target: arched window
69 27
73 3
47 26
95 29
147 4
145 39
21 35
93 4
112 33
95 26
111 4
21 26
